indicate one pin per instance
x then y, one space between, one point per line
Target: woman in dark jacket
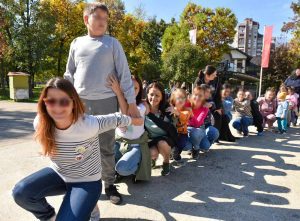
294 81
209 77
162 133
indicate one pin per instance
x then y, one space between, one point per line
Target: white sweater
77 157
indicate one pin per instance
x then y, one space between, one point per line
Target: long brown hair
45 131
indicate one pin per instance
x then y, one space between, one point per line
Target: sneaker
259 134
95 215
195 154
189 152
179 163
113 195
204 150
165 169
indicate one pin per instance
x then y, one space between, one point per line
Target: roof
244 53
17 74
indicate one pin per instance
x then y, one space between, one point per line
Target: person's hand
133 111
173 110
137 121
113 83
208 105
282 116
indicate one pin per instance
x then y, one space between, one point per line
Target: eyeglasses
63 102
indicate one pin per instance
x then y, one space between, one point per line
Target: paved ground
257 178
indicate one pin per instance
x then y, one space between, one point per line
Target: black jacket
216 89
257 117
166 126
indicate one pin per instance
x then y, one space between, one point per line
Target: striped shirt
242 108
77 157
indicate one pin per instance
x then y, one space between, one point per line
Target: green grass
4 95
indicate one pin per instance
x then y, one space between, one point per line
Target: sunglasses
63 102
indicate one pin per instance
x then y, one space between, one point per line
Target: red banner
267 46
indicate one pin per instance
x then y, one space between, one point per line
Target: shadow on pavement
16 124
221 186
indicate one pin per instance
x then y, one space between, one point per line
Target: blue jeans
242 124
78 203
128 163
212 134
195 136
282 124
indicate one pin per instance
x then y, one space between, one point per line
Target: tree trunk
2 75
60 53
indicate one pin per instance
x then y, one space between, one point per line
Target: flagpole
261 68
260 81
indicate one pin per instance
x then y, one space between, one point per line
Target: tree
294 27
3 48
183 62
280 66
116 15
67 17
215 30
151 44
22 31
129 34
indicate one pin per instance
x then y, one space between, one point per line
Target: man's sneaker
113 195
259 134
195 154
95 215
165 169
179 163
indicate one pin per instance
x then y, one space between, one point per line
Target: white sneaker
95 215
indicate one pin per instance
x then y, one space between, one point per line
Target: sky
266 12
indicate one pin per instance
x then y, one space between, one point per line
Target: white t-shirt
77 157
133 132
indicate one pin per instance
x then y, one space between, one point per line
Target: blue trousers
78 203
195 136
242 124
128 163
212 134
282 124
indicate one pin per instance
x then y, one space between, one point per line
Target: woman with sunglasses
70 139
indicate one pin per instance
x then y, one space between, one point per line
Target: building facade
248 39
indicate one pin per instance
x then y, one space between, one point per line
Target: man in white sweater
92 58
